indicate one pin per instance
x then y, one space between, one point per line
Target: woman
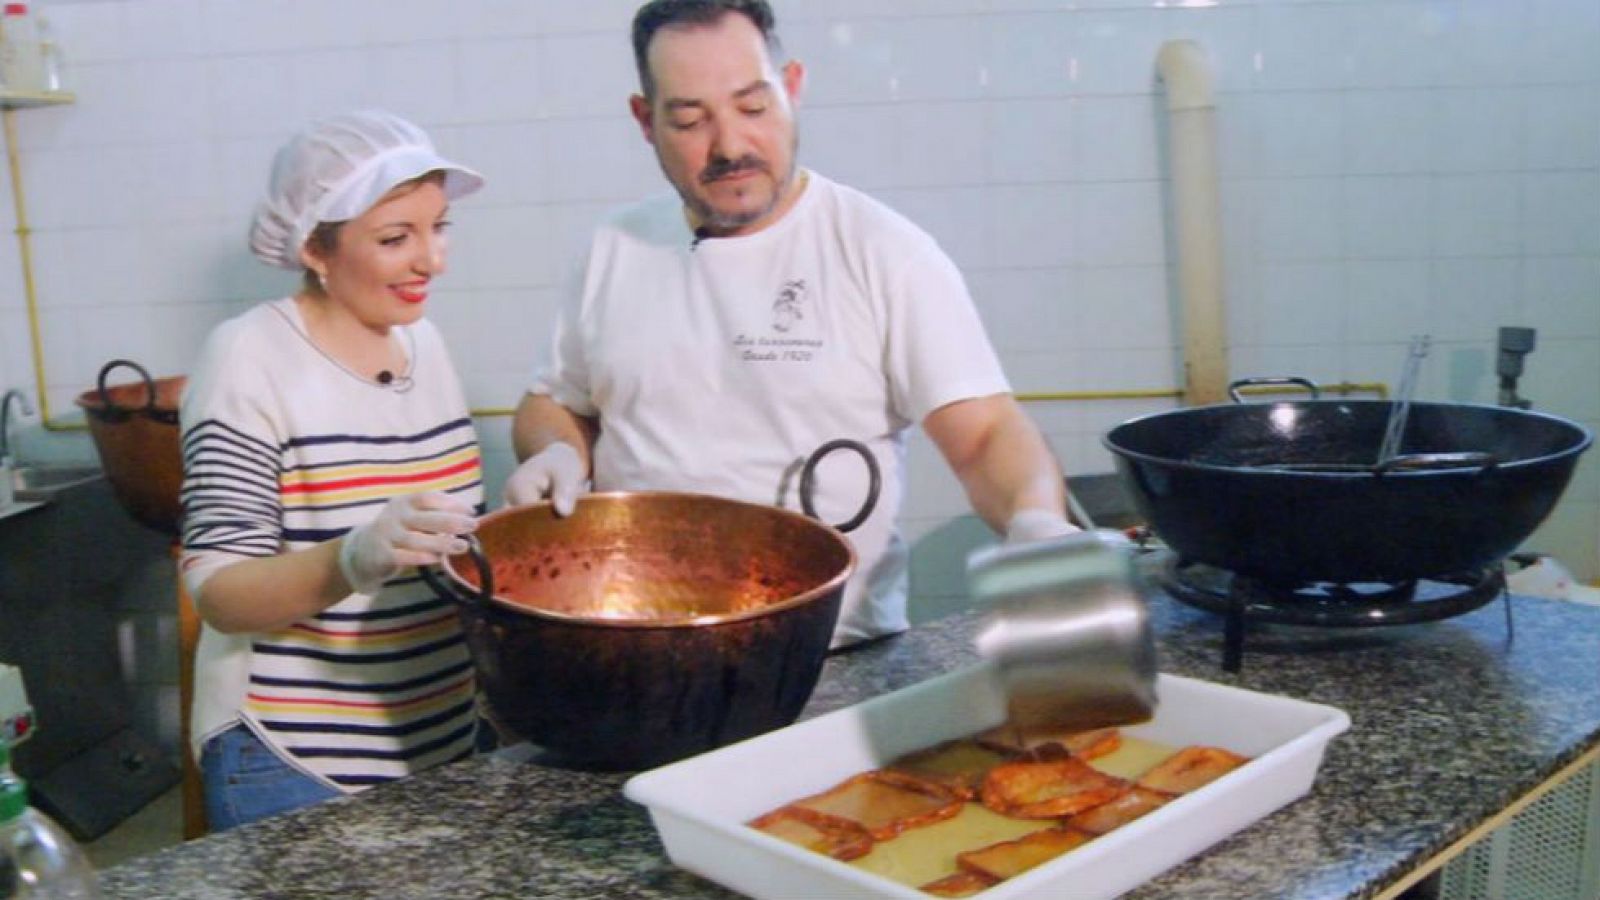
328 448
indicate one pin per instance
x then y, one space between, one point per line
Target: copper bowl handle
115 413
808 481
478 601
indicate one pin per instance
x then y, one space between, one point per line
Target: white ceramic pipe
1191 106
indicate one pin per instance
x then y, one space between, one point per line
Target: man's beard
717 220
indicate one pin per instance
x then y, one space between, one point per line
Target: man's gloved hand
1028 525
556 472
412 530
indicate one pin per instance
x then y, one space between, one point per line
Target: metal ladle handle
1483 462
1395 428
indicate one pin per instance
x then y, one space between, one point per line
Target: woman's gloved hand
1028 525
412 530
556 472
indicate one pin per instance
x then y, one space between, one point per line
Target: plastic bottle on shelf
38 859
50 65
21 55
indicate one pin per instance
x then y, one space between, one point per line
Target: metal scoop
1067 626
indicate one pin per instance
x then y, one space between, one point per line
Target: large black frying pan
1292 492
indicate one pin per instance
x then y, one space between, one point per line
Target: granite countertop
1452 722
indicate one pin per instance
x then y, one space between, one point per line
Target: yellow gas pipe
1343 389
25 256
19 204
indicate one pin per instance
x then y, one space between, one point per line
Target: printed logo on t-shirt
788 311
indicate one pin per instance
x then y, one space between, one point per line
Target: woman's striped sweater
283 449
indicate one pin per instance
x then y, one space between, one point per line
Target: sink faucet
5 419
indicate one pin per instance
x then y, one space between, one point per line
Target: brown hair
659 14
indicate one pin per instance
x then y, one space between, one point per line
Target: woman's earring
322 280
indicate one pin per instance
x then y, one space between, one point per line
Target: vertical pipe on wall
1191 106
25 259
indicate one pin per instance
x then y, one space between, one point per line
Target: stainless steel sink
43 483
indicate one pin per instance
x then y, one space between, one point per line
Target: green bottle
38 859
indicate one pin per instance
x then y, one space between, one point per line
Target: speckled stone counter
1452 723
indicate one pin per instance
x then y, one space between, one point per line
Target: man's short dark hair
659 14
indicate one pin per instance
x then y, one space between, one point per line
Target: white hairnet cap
338 168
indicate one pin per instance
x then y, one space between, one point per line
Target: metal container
650 626
135 431
1292 492
700 806
1067 625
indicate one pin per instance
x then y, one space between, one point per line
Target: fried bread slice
959 765
960 884
885 802
1190 768
1008 858
838 838
1120 811
1048 789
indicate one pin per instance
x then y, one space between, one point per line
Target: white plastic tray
700 805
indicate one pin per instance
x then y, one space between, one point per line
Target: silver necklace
399 383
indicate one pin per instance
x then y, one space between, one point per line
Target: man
714 339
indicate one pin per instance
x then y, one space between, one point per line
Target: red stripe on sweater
374 480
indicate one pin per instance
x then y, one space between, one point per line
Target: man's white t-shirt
719 365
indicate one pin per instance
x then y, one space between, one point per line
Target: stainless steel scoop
1067 625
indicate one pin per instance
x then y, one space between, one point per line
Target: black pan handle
808 481
1274 380
478 602
1411 462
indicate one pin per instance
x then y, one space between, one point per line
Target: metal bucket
135 430
1067 625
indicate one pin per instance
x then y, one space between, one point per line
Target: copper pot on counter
647 627
135 431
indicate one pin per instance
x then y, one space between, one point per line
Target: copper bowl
135 431
647 627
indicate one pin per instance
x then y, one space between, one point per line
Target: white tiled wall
1389 167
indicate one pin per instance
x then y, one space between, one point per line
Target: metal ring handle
113 411
479 602
1274 380
1484 462
480 559
439 586
808 481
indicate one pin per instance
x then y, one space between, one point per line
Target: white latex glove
556 472
1029 525
413 530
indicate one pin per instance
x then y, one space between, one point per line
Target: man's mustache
722 168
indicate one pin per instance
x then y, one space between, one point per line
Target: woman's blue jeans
245 781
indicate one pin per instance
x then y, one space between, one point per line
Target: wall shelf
27 99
